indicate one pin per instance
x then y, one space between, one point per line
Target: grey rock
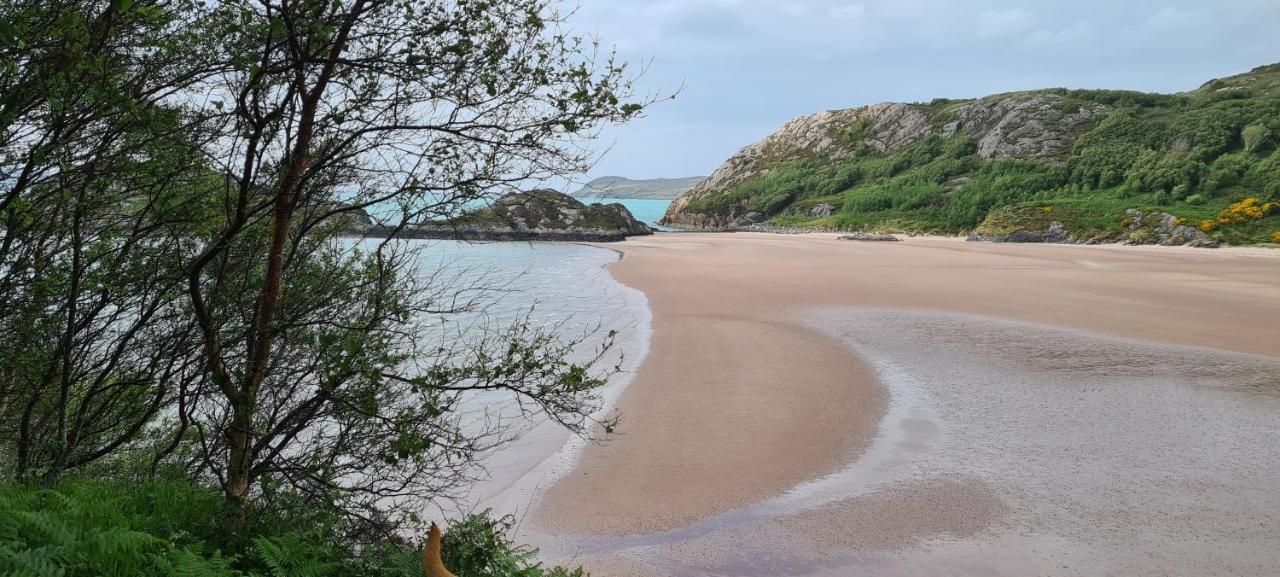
773 229
891 126
1039 126
1162 228
749 219
870 236
545 209
822 210
1028 125
1056 233
534 215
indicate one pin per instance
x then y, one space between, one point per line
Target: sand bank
1050 410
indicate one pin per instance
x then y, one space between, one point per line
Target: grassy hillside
1198 155
653 188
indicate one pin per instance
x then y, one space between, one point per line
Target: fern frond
39 562
41 526
289 556
187 563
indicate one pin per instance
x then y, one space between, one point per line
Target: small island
540 214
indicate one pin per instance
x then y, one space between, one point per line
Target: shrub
480 545
1226 171
92 528
1246 210
1142 236
1255 137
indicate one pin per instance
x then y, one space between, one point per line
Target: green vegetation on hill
548 211
1191 155
650 188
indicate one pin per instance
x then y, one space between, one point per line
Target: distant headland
641 189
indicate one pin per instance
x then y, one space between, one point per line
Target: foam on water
562 287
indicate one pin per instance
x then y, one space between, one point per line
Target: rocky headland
1117 166
535 215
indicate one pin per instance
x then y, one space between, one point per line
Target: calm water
646 211
561 287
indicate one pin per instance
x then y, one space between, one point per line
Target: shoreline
763 439
1076 283
746 291
569 287
1263 250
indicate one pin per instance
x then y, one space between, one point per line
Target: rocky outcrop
822 210
1055 232
869 237
1033 224
1162 228
535 215
348 216
1034 126
551 211
1030 125
887 127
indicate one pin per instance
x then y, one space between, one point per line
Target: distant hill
652 188
1075 165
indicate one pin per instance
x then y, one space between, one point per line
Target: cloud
1172 18
846 11
994 23
1079 34
750 65
793 8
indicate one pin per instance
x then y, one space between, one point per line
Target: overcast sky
747 66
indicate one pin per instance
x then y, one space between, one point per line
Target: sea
645 210
560 287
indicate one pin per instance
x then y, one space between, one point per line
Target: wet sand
790 403
825 407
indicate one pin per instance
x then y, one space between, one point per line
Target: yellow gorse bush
1244 211
1276 236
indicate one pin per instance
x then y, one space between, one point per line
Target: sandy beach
811 406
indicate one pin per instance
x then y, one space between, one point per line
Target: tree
1255 136
324 378
96 160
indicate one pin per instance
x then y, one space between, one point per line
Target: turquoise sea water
646 211
560 287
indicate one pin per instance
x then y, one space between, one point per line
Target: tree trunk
240 450
239 458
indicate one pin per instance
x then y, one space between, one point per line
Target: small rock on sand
869 236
